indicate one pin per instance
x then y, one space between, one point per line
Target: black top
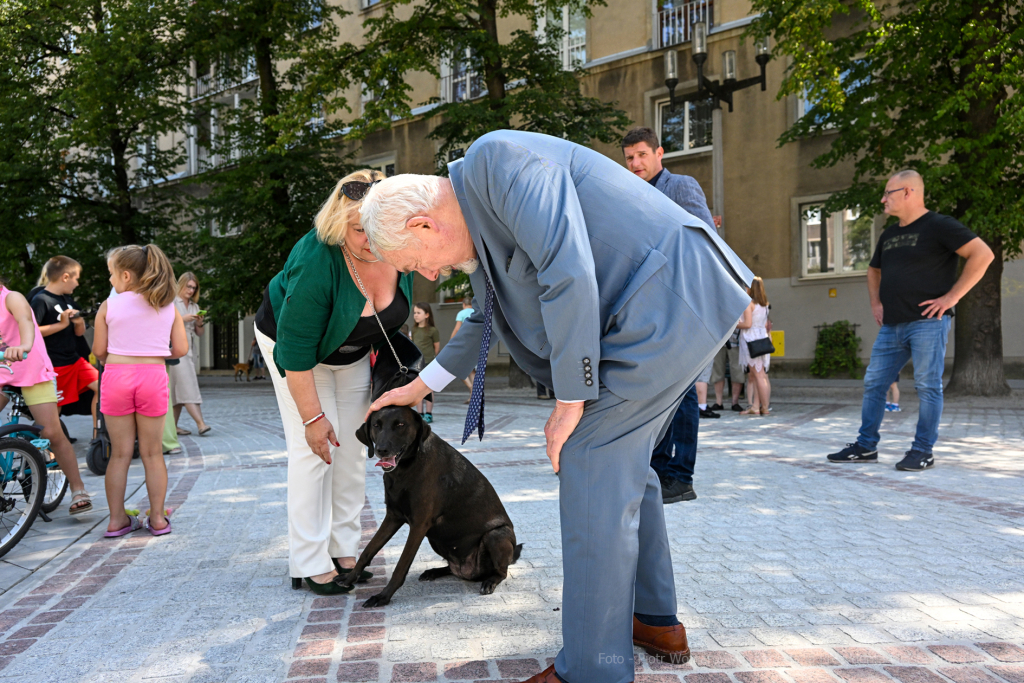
366 332
654 180
918 263
61 347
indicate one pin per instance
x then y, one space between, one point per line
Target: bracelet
312 420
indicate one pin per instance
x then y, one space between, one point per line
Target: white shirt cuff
580 400
436 377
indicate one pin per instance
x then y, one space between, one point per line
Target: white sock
702 406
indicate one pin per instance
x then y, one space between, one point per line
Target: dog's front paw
488 586
378 600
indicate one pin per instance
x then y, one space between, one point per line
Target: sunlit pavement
788 569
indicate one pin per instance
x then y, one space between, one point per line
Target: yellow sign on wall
779 342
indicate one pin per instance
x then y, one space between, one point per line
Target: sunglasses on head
357 189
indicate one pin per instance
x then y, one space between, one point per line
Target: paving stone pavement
788 570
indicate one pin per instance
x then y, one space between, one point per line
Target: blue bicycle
25 460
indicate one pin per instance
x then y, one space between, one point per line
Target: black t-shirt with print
61 347
918 262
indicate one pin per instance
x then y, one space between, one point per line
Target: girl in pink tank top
136 329
27 365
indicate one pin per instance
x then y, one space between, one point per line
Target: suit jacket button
588 375
590 382
586 368
586 361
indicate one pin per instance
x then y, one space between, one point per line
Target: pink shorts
134 388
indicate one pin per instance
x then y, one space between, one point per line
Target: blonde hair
184 280
54 268
757 292
151 271
338 211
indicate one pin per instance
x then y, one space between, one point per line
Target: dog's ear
363 434
424 430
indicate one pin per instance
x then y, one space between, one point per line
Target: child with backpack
136 331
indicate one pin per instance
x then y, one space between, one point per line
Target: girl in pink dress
27 365
136 330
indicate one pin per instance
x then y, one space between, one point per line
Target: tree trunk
122 199
494 69
978 358
269 108
978 361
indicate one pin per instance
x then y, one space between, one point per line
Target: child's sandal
78 498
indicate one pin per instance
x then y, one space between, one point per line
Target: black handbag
390 372
760 347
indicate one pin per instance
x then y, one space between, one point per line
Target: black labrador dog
441 495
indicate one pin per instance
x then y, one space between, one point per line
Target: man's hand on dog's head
409 395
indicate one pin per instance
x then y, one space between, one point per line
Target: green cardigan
316 304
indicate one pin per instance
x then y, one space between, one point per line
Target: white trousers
324 501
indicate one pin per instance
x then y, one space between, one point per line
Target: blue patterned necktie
475 414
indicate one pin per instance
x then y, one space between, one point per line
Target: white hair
391 203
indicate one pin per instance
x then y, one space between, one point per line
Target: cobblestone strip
71 587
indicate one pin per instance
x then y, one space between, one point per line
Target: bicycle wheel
56 486
21 498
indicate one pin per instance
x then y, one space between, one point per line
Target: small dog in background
241 368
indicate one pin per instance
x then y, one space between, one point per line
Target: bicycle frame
30 433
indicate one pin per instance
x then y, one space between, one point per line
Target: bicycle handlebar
3 351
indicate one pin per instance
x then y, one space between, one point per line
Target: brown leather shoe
545 676
663 641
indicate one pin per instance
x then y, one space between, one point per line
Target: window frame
659 103
798 204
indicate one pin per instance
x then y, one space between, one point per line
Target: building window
365 4
459 82
387 167
572 46
687 128
835 243
674 20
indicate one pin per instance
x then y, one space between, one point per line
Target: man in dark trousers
913 287
643 158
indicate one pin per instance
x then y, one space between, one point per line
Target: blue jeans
925 342
682 433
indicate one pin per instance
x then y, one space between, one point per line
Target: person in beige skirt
184 382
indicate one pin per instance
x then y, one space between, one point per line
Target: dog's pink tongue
386 462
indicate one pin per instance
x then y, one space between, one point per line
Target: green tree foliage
519 82
277 158
86 87
934 85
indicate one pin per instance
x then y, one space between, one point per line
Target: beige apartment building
813 265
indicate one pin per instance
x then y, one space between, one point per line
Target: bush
837 351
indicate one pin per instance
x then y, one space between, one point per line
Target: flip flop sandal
203 432
80 497
134 524
159 532
183 432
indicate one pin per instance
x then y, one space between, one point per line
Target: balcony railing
675 20
209 83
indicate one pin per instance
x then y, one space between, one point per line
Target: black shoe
707 413
717 406
364 575
737 408
915 461
673 491
854 453
329 588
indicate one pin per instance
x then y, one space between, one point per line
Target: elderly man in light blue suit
603 288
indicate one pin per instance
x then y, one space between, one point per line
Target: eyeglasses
886 193
357 189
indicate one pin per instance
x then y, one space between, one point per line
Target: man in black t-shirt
913 287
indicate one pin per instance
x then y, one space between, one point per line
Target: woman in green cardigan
316 327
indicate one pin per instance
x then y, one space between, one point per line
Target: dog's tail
515 553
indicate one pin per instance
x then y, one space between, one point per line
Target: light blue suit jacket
591 266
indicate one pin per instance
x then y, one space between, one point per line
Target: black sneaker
737 408
717 406
915 461
854 453
673 491
707 413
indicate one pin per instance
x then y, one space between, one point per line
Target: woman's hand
320 437
189 317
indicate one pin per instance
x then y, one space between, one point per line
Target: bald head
912 179
904 196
